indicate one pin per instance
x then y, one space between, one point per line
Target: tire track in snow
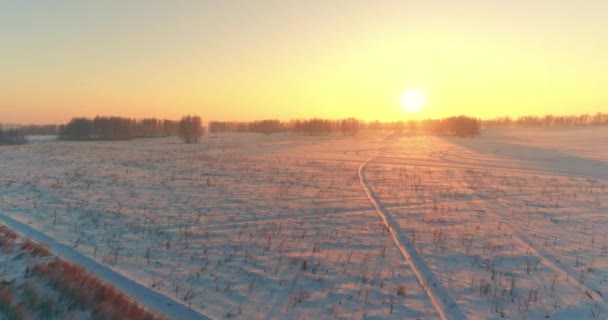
543 256
446 307
560 268
146 297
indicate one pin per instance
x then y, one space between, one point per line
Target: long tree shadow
526 158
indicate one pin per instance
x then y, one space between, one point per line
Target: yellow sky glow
283 59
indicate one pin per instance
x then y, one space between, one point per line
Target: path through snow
439 296
150 299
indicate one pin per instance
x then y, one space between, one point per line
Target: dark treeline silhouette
155 128
116 128
598 119
350 126
76 129
190 129
461 126
265 126
227 126
39 129
113 128
312 127
12 137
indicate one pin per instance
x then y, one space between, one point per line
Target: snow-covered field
511 224
35 284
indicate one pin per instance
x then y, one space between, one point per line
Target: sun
412 100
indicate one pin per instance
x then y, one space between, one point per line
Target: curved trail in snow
146 297
446 307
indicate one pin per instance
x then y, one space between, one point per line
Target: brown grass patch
6 297
7 237
36 249
86 290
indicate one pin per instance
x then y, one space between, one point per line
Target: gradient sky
244 60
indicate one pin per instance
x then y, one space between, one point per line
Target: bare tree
349 127
266 127
191 129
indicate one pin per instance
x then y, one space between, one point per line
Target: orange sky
244 60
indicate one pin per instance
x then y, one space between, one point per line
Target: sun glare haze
311 159
413 100
245 60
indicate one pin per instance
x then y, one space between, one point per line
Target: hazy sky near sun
244 60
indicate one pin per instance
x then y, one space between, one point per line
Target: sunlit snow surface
255 227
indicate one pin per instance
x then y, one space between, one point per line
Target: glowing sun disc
413 100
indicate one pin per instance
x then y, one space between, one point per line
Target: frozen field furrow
244 233
272 227
507 243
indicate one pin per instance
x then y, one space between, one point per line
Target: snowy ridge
445 305
148 298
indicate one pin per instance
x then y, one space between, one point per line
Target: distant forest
458 126
190 128
310 127
119 128
599 119
12 137
116 128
